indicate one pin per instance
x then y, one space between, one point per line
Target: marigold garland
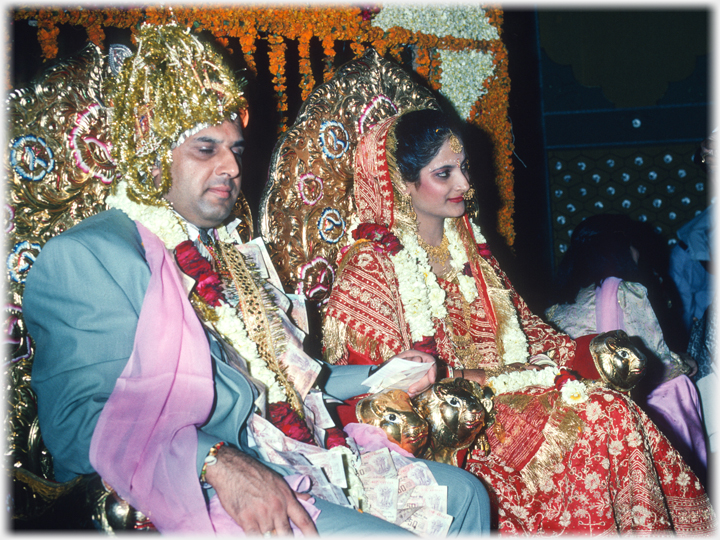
328 44
277 69
329 25
305 68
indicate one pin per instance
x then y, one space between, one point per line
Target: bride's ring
268 534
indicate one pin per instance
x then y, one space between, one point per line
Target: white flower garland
421 296
479 238
166 225
424 300
464 22
518 380
572 392
463 77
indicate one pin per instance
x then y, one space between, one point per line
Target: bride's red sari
595 467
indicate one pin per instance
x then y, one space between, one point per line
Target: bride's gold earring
469 194
405 205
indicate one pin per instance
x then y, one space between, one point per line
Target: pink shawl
608 315
145 442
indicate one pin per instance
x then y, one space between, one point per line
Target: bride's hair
419 135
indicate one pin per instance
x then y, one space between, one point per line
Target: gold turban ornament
171 88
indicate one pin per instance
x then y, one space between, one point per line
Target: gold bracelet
210 459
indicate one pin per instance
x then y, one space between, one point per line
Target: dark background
579 79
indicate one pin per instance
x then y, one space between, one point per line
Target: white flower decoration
574 392
593 411
634 439
592 481
519 380
463 77
615 448
466 22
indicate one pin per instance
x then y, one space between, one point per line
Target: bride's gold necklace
439 255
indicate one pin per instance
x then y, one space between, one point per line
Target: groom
137 384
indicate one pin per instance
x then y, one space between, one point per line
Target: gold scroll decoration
307 205
59 172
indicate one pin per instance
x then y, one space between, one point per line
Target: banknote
273 278
299 312
403 514
281 300
434 497
418 473
381 495
295 334
400 461
397 374
315 402
321 486
428 522
251 251
333 466
377 463
302 370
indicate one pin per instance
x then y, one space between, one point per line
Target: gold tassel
560 432
337 335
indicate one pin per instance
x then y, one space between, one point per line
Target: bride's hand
519 366
476 375
430 376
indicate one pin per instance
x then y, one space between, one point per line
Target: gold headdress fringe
260 315
173 85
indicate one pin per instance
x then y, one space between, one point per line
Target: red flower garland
209 287
385 240
484 250
564 376
287 420
335 436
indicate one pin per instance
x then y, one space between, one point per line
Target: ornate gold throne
59 171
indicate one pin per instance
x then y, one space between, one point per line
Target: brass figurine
394 413
457 411
620 364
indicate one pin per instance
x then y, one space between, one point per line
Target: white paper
397 374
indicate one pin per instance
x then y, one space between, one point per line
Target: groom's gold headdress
171 88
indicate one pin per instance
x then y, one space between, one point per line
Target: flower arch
456 50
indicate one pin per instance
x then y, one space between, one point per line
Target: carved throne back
308 205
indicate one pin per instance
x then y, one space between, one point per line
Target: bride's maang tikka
455 144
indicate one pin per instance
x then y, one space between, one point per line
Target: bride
566 455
